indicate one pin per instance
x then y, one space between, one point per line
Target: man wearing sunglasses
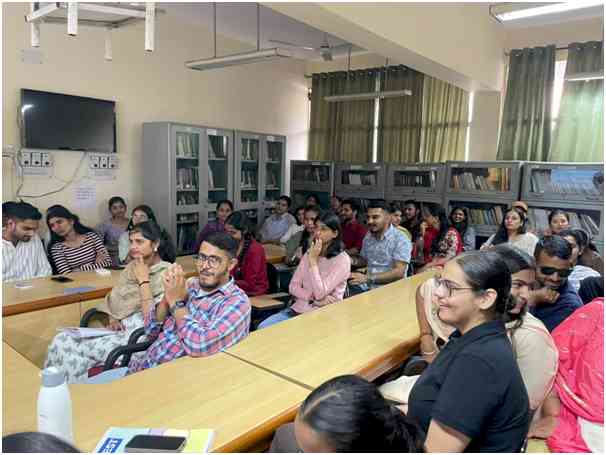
555 299
201 316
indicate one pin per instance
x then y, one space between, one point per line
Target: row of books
248 179
216 147
274 151
496 179
539 219
187 145
423 178
359 178
490 216
187 198
250 149
311 174
187 178
570 182
273 178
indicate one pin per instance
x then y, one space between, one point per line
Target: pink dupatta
580 378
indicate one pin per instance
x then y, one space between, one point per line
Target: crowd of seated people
511 327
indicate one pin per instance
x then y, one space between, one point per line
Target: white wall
270 98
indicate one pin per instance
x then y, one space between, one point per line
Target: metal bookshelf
572 187
187 169
364 181
407 181
311 177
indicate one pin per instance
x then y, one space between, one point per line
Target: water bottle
55 405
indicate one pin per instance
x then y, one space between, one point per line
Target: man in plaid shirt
199 317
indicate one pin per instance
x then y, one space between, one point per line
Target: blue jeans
280 316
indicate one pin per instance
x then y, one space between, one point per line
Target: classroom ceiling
239 21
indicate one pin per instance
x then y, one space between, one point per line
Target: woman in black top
471 397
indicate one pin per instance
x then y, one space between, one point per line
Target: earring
155 250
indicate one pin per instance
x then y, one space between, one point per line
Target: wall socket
102 166
36 163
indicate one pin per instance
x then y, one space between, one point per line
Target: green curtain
444 121
526 123
399 133
342 131
579 131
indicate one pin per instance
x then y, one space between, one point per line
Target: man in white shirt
277 224
23 255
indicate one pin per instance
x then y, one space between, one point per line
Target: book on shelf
546 181
211 179
496 180
354 179
415 179
115 439
492 216
540 221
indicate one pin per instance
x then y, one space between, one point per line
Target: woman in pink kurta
321 277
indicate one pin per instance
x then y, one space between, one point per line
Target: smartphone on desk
61 279
155 443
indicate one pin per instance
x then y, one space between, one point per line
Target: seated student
534 350
591 288
556 299
200 317
278 223
348 414
251 271
579 272
514 231
558 221
321 277
588 254
73 247
313 199
353 232
385 251
23 256
224 209
139 282
35 442
396 219
335 204
439 241
298 244
294 228
459 219
572 418
139 214
111 230
472 397
411 219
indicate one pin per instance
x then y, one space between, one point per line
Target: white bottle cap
52 377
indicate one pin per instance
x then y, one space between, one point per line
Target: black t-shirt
475 387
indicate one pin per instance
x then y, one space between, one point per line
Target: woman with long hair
558 221
576 239
472 397
588 253
111 229
225 208
321 277
439 241
459 219
348 414
514 231
140 281
73 247
251 272
298 244
139 214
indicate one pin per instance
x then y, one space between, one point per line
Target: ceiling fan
325 49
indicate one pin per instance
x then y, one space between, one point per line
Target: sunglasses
551 270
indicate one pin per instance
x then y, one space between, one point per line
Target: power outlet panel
36 159
102 166
36 163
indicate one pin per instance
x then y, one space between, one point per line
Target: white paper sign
85 196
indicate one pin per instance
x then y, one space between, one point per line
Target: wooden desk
274 254
242 403
368 334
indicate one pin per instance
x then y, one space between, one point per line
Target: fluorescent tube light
367 96
547 9
584 76
262 55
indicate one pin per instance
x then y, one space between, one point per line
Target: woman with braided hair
251 272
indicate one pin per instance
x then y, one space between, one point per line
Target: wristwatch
178 304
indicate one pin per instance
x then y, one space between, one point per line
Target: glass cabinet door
586 219
360 178
218 168
497 179
273 170
311 174
249 173
188 226
415 178
567 182
187 157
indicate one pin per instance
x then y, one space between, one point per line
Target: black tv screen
65 122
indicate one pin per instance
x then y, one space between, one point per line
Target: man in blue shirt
556 299
385 249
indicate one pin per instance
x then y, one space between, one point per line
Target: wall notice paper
85 196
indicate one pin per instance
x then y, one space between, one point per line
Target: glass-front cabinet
360 180
404 181
311 177
220 167
248 169
275 162
489 179
485 217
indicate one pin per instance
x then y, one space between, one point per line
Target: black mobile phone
61 279
155 443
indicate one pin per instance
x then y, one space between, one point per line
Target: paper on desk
85 332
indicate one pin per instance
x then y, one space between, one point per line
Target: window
558 88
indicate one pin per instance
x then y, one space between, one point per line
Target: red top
353 234
450 246
251 273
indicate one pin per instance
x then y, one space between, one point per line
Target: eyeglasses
213 261
448 286
551 270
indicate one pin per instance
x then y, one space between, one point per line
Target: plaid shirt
216 321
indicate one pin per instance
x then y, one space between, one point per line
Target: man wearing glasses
555 299
201 316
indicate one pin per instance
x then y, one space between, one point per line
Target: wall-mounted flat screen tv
64 122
